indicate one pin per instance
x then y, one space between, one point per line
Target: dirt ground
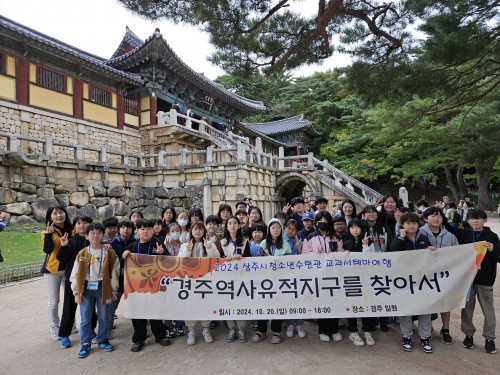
26 348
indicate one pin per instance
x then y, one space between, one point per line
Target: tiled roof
129 38
28 35
169 56
288 125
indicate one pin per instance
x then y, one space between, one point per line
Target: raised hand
189 244
402 233
364 241
64 239
50 228
438 204
298 245
286 208
159 248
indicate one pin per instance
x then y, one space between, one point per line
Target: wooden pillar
78 99
153 107
22 81
121 111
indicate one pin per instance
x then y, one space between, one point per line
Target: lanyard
149 247
234 243
414 243
319 239
100 262
441 244
474 238
173 248
273 250
378 238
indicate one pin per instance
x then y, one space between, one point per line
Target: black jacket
302 235
295 216
487 274
67 254
119 246
146 248
399 244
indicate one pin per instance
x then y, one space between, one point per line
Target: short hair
404 209
156 220
84 218
296 200
126 223
138 212
339 218
144 223
110 222
238 203
410 205
241 212
292 222
223 207
197 212
410 217
469 204
431 211
174 224
96 226
476 213
213 219
452 205
422 202
260 228
280 214
320 200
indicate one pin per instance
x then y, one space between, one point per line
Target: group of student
87 259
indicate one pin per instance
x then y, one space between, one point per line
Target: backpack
457 218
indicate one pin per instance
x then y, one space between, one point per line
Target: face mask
323 226
175 236
182 223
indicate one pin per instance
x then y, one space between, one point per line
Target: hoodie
381 241
404 244
443 239
265 249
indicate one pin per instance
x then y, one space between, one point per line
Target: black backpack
457 218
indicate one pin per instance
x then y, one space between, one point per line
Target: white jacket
196 250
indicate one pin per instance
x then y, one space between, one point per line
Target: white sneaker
354 337
289 331
324 337
94 341
74 329
206 335
369 339
301 331
54 333
191 338
337 336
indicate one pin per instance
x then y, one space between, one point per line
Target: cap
446 197
467 199
307 216
338 204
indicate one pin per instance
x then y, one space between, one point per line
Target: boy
212 223
67 254
125 230
94 278
409 239
147 245
157 227
241 205
482 286
321 204
340 227
110 223
291 229
439 237
298 210
308 228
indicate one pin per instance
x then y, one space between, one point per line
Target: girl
389 206
281 216
135 216
225 211
58 225
232 247
195 215
242 217
254 217
198 246
324 241
348 210
359 241
273 245
168 216
173 245
183 220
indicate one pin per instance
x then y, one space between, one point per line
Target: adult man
444 204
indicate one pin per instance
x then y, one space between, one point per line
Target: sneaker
289 331
106 346
74 329
337 336
301 331
489 347
170 332
445 336
424 343
110 335
341 324
65 343
255 325
214 324
369 339
114 326
241 336
116 316
324 337
384 328
354 337
137 346
406 344
206 335
54 333
84 351
191 338
163 342
231 335
180 332
468 342
94 337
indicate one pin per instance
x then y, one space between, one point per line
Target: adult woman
168 216
254 217
389 206
348 210
58 225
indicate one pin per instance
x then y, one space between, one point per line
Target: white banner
300 286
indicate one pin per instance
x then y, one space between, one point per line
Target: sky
98 26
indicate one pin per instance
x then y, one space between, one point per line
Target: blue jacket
292 242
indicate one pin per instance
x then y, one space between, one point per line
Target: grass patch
20 248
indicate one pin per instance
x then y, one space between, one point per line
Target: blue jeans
298 322
111 312
86 307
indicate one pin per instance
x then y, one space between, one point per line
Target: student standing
225 211
183 220
308 226
111 225
168 216
348 210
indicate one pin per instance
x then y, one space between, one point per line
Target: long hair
223 207
269 237
325 214
67 226
174 214
200 224
353 246
378 228
239 234
261 220
353 207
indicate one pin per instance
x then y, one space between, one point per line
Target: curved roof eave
288 125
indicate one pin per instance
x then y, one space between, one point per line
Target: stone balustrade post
310 160
325 163
125 159
142 160
240 152
210 154
161 158
160 118
103 154
48 146
173 117
188 123
184 156
281 163
79 153
12 146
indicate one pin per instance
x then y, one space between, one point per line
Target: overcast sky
97 26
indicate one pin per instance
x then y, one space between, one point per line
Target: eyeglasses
339 224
